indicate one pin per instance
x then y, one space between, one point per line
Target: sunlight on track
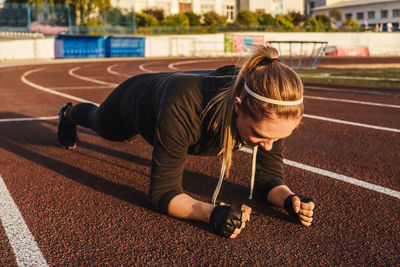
340 177
26 250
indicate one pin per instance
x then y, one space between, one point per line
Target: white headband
272 101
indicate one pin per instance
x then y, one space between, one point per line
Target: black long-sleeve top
166 109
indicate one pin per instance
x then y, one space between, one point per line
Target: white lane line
173 64
48 90
328 76
334 90
84 78
30 119
26 250
143 68
83 87
352 123
343 178
352 101
111 71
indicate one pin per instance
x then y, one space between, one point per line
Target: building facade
227 8
170 7
310 4
384 14
274 7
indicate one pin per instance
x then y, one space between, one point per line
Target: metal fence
21 15
18 17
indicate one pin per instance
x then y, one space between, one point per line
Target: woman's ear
238 104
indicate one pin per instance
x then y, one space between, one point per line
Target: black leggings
106 119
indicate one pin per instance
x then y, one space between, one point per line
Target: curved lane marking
340 177
143 68
111 71
26 250
352 101
48 90
84 78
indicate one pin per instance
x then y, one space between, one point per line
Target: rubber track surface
90 206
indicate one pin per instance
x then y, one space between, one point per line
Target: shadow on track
20 138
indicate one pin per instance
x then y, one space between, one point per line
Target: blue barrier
125 46
70 46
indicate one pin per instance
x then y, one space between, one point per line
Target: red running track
90 206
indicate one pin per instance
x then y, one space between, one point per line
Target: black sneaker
66 133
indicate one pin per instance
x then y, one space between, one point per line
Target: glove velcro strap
224 219
288 205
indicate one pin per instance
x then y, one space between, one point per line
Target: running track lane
341 248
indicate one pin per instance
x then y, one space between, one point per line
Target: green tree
264 18
158 13
177 20
86 8
194 19
324 20
286 22
350 23
114 17
335 15
127 20
145 20
298 18
312 24
247 18
211 18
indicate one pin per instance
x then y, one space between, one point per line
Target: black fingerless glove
288 205
224 219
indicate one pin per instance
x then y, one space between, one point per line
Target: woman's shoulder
227 70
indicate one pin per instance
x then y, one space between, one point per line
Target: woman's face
263 132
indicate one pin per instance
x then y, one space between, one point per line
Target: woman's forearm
184 207
278 195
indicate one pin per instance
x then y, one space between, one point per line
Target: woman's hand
228 221
300 207
246 210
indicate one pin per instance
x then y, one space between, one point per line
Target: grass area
370 77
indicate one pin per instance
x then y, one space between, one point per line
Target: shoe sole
66 148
